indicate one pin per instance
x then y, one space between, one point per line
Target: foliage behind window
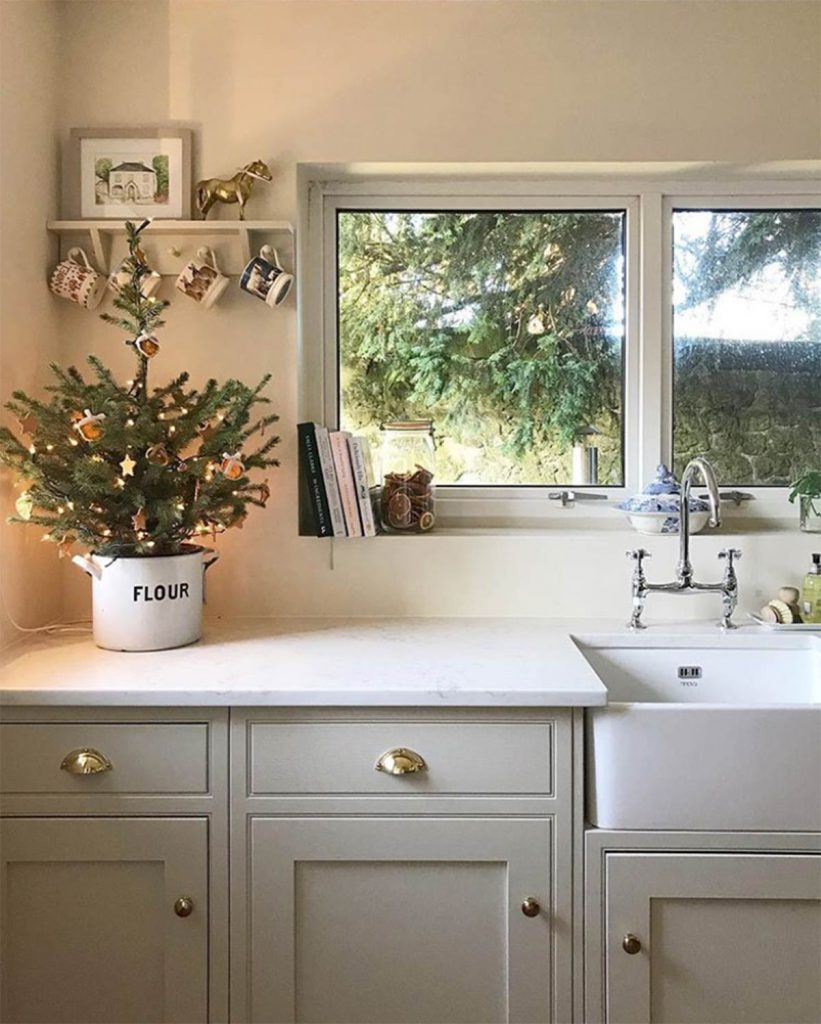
747 342
506 328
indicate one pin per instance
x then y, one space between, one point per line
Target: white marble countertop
453 662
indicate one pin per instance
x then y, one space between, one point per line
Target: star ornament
28 424
127 465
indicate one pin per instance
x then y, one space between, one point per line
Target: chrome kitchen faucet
684 582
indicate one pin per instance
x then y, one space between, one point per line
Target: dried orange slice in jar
399 511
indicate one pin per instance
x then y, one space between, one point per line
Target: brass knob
183 906
400 761
531 907
86 761
631 944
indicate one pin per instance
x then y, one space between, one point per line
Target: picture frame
121 173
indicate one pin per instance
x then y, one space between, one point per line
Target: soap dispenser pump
811 594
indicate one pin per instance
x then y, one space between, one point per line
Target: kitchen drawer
146 758
462 758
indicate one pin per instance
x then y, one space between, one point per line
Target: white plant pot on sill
147 603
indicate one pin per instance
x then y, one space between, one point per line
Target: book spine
311 476
363 485
326 461
344 476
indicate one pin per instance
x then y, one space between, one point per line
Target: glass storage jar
407 470
810 505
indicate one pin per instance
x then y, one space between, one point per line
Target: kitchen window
504 327
747 342
535 320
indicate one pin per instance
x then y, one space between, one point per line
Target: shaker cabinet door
89 928
698 938
366 920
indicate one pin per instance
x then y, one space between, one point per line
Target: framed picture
132 172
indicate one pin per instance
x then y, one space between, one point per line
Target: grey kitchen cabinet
705 935
93 864
358 922
443 895
90 925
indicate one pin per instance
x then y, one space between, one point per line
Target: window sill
575 526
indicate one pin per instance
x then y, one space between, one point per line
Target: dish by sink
786 627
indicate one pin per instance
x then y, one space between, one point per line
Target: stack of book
336 484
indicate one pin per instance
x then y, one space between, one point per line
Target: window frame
648 197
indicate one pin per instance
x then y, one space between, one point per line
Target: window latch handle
569 498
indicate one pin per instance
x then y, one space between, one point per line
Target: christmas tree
128 470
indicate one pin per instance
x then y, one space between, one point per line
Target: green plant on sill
808 486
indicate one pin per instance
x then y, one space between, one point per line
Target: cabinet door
363 921
724 937
88 924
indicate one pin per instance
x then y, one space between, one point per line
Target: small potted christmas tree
135 474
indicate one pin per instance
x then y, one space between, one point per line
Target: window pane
505 328
747 343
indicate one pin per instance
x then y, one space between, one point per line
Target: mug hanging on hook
265 278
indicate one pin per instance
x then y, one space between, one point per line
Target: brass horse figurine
231 190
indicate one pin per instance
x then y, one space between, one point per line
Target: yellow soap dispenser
811 593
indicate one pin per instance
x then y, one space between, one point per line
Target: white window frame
648 197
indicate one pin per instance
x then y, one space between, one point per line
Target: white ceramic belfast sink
720 736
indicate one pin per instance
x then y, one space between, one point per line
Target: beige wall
394 80
29 337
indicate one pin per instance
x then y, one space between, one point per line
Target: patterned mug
201 279
265 278
76 280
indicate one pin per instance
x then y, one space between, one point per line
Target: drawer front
340 758
145 759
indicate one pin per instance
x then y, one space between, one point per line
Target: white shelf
175 227
102 234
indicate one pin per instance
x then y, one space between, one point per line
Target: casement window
569 333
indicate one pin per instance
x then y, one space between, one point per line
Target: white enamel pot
147 603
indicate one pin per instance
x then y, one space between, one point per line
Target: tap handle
638 555
730 555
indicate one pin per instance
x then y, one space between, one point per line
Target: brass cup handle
85 761
183 906
631 944
531 907
400 761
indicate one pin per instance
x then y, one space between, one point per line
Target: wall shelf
234 241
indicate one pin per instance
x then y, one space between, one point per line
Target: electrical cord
51 629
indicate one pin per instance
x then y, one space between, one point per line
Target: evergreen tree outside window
507 328
747 342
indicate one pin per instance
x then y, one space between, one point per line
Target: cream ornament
24 505
127 465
